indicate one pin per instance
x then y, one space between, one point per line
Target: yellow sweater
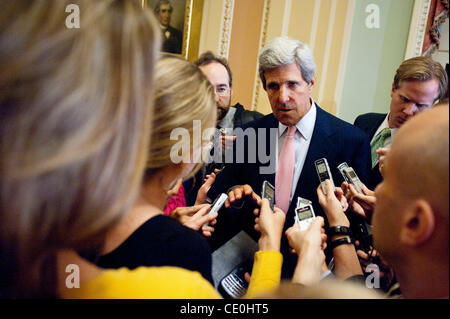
173 282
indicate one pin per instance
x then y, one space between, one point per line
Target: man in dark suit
172 38
418 83
297 133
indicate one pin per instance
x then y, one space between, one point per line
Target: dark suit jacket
174 43
369 123
332 138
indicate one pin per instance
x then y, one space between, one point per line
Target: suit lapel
375 124
266 123
320 146
271 123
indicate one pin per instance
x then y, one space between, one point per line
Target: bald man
410 220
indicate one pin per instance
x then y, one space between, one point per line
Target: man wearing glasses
418 83
218 72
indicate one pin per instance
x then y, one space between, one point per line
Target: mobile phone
324 173
234 285
268 191
354 179
362 232
341 169
217 204
303 202
304 216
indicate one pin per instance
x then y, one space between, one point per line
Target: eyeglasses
222 90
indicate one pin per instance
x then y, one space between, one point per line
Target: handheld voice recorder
324 173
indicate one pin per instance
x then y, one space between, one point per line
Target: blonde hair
422 68
182 94
76 108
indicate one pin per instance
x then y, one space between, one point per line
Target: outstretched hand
269 224
333 206
239 193
362 204
382 153
195 217
203 191
309 245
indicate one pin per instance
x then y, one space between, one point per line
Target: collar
385 124
306 124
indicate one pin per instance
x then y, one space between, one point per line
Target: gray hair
283 51
160 3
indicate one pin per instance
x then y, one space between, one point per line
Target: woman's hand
333 206
270 225
195 217
203 191
309 245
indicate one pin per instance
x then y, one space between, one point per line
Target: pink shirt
175 201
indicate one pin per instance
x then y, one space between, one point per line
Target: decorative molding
326 57
417 28
344 54
286 17
187 28
262 43
315 25
225 28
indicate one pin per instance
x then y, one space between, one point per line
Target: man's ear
311 84
418 223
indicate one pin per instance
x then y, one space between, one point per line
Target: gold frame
192 27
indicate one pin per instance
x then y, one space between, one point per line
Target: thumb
202 220
210 180
191 210
329 187
265 206
318 222
203 210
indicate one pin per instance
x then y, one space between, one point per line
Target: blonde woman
75 118
75 114
184 98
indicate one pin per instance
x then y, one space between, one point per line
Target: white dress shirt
302 139
385 124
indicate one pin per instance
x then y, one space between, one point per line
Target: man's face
165 12
410 98
288 92
217 75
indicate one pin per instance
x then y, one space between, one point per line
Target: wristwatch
340 230
342 241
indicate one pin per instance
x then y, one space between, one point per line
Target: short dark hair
208 57
158 6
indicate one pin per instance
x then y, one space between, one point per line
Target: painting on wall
180 22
